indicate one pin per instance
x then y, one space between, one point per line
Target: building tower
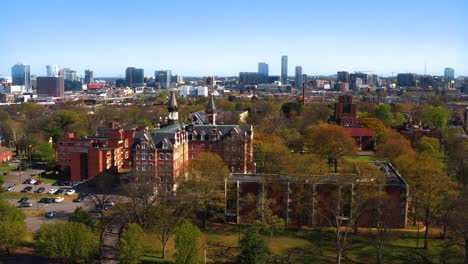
449 74
89 76
52 70
262 72
211 111
172 107
298 79
284 69
21 75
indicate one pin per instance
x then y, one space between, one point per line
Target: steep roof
211 107
172 106
359 131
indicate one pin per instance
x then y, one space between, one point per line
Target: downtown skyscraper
21 75
263 72
298 80
284 69
52 70
449 74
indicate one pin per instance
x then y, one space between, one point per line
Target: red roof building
364 137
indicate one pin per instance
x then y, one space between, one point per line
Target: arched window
144 156
144 145
161 156
168 156
143 168
137 156
151 156
137 166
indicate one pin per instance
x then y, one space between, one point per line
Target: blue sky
201 38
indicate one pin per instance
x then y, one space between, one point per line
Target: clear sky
217 37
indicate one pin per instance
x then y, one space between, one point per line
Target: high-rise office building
21 75
50 86
449 74
406 79
263 72
89 76
284 69
52 70
372 80
298 79
354 76
163 78
248 78
342 76
211 81
68 74
134 76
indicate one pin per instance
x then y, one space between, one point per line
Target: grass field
315 246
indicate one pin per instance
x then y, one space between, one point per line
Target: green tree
269 152
12 226
82 216
391 145
167 222
67 241
384 113
254 248
130 246
45 152
207 174
330 142
434 116
187 244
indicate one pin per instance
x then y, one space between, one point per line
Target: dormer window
144 145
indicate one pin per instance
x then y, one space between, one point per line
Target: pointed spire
211 111
211 108
172 106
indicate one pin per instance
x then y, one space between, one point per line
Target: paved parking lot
35 213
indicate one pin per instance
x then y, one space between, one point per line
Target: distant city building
304 78
191 91
263 76
406 79
50 86
246 78
284 69
68 74
21 75
179 79
449 74
272 79
52 70
89 76
134 76
211 81
354 83
342 76
372 80
163 78
298 79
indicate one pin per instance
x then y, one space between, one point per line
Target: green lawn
314 246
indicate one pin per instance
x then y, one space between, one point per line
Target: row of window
144 156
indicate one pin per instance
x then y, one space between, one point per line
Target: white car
59 199
52 191
32 181
70 192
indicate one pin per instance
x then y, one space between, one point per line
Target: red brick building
165 151
86 157
319 202
5 153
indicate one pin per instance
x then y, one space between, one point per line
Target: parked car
23 199
40 190
108 204
44 200
97 210
52 191
79 199
59 199
32 181
28 181
10 188
58 183
75 184
38 183
27 189
25 204
70 192
51 214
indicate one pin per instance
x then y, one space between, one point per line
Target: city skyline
210 38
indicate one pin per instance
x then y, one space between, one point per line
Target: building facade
21 75
89 76
163 78
323 195
284 69
248 78
52 70
449 74
134 76
342 76
298 80
50 86
406 79
263 72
